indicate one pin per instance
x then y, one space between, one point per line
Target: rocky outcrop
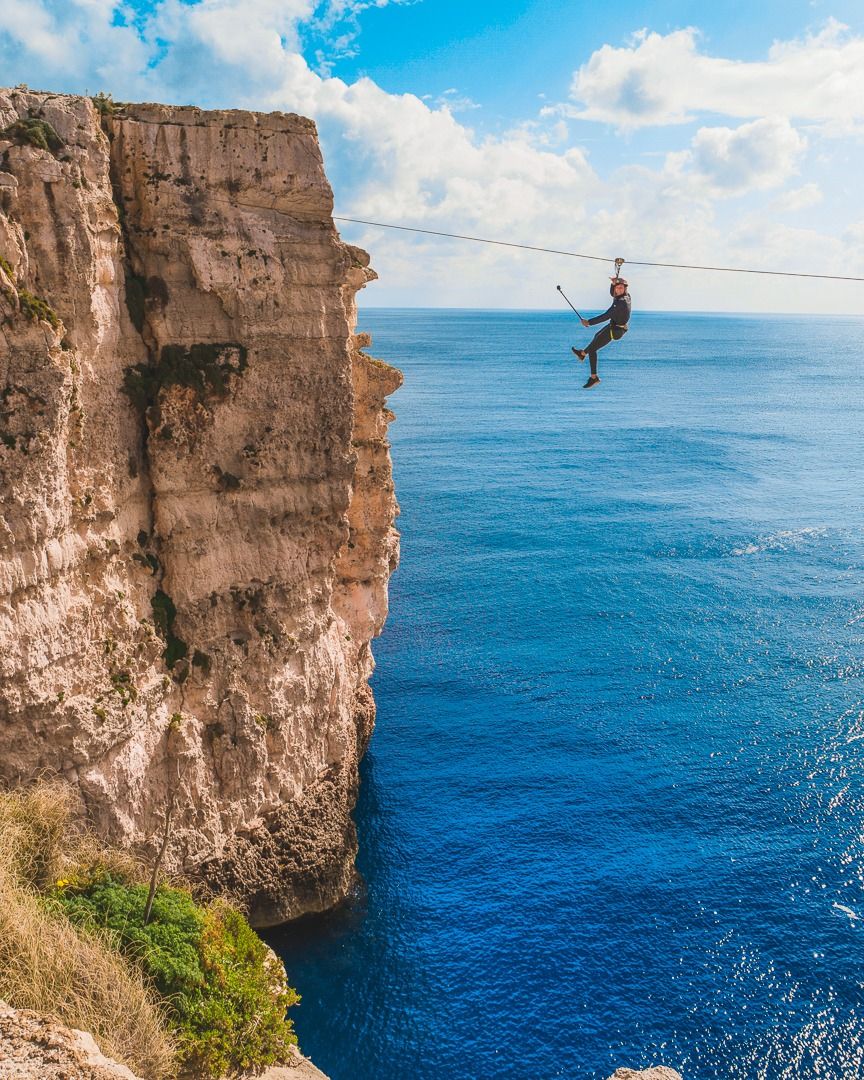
196 502
34 1047
298 1068
657 1072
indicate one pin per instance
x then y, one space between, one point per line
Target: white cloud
334 10
731 161
801 198
418 165
43 39
259 31
452 100
794 248
855 235
51 43
666 79
396 158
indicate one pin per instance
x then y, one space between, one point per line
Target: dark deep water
612 811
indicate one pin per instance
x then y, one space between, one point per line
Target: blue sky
504 54
679 131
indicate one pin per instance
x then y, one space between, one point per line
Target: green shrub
241 1024
166 948
35 132
227 997
53 967
105 104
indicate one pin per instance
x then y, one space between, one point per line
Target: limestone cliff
196 501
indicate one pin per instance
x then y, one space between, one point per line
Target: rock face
32 1047
196 501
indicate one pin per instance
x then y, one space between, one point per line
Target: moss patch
35 308
122 685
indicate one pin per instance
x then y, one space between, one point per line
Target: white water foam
853 915
780 541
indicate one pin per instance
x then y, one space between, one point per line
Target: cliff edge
196 498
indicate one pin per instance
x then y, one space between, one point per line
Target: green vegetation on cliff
192 987
33 131
164 614
36 309
50 966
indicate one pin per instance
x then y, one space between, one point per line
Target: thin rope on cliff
599 258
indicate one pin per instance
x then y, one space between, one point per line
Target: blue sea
613 811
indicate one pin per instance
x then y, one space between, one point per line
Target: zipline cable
597 258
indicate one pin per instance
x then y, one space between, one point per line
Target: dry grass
33 843
39 843
51 967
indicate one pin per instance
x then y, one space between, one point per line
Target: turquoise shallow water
612 811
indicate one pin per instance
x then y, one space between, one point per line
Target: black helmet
617 281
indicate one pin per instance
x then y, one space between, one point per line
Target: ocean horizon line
638 312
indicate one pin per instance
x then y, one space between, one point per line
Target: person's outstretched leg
600 339
593 378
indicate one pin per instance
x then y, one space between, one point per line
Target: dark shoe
578 352
593 380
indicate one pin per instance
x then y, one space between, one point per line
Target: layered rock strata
196 501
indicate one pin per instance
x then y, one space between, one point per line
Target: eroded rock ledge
196 500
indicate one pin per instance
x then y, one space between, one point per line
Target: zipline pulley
618 264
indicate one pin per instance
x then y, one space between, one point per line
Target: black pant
601 338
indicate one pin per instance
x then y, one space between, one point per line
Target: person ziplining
618 316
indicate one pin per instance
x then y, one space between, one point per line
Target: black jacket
618 313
